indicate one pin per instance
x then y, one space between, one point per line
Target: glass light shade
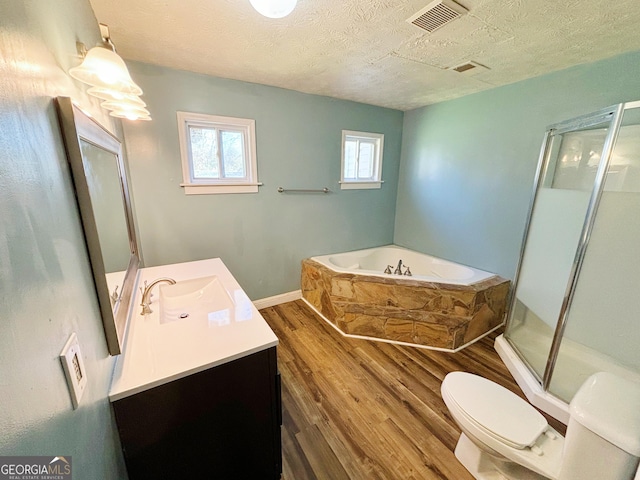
130 115
104 68
274 8
115 96
124 107
127 110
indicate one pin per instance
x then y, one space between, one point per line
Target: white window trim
215 186
349 184
353 185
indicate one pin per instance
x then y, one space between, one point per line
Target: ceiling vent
469 68
437 14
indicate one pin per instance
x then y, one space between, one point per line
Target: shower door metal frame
612 116
541 169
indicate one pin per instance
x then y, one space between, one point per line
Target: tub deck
398 309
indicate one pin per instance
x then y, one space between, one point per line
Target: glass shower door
571 156
602 329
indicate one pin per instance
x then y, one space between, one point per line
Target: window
218 154
361 160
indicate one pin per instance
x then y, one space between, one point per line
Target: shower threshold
584 362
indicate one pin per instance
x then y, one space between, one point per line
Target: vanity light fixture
106 72
115 96
125 105
130 116
274 8
130 112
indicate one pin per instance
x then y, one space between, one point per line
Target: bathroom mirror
99 177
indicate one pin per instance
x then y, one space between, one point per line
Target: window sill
360 185
208 189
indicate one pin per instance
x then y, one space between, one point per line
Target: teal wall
261 237
468 165
46 285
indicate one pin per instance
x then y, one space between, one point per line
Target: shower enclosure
575 308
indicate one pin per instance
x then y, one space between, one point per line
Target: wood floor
357 409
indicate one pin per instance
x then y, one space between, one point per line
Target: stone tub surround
425 314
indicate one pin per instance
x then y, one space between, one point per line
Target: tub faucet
398 270
146 294
388 269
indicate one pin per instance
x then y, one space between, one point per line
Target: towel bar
303 190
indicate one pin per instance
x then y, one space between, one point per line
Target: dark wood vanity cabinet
221 423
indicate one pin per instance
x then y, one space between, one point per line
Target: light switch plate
74 370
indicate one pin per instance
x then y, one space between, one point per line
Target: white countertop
155 353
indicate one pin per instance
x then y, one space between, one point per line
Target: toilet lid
496 409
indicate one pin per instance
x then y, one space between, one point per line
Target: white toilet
504 437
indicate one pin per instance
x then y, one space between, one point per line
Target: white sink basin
197 298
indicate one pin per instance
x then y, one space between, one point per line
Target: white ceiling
364 50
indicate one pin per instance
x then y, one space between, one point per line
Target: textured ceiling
364 50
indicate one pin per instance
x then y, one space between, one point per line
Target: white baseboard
278 299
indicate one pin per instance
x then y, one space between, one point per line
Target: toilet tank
603 435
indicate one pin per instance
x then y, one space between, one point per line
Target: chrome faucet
388 269
146 293
398 270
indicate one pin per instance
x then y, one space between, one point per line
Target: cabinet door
221 423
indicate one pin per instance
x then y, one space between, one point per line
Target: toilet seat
494 410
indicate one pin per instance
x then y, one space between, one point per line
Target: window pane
233 154
361 160
365 163
350 155
204 147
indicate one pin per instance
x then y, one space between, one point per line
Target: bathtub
441 306
374 261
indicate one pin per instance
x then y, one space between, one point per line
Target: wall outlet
74 370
